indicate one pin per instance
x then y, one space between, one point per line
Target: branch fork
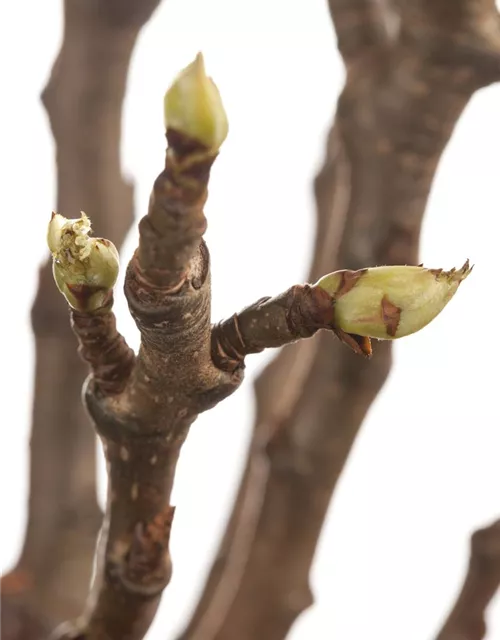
144 405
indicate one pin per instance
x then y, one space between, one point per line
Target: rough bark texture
83 99
143 407
410 72
297 313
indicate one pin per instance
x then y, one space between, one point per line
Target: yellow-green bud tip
390 302
193 106
85 269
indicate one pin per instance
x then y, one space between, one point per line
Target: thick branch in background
83 99
406 88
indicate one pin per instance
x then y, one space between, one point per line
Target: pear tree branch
383 302
143 406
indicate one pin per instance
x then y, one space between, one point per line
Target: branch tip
390 302
85 269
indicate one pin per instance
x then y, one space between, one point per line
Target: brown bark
467 618
84 100
406 88
104 349
143 408
297 313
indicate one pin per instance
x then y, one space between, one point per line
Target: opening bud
193 106
390 302
85 269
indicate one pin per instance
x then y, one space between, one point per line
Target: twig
355 305
297 313
144 418
401 101
111 360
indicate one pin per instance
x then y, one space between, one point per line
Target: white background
425 470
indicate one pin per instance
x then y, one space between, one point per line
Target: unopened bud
193 106
85 269
390 302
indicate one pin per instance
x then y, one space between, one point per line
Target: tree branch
381 302
144 417
361 26
84 100
467 618
104 349
272 322
394 118
168 240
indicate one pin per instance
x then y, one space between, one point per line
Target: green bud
193 106
390 302
85 269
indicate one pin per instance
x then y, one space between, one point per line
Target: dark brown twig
271 322
297 313
104 349
144 423
168 242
